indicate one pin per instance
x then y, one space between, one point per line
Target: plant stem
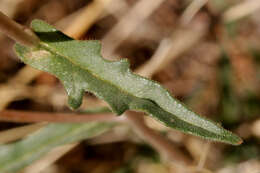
17 32
29 117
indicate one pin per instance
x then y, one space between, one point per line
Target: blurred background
205 52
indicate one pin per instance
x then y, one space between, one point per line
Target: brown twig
29 117
17 32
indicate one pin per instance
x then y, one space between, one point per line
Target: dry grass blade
118 9
25 76
127 24
9 93
255 128
241 10
170 48
9 7
203 156
86 18
191 11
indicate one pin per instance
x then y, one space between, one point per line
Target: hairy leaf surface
16 156
80 67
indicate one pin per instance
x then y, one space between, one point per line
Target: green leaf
16 156
80 67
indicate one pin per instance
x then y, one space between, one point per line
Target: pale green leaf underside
16 156
80 67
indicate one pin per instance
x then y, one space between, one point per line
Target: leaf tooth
75 96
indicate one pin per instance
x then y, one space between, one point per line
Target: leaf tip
239 142
235 140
